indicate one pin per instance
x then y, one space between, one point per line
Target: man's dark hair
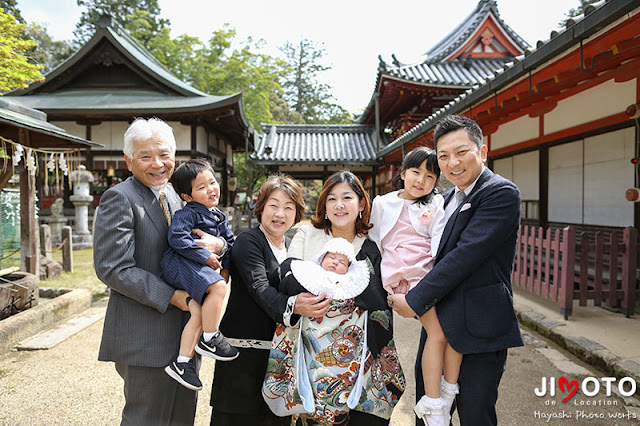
451 123
187 172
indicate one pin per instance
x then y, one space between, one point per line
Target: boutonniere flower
426 214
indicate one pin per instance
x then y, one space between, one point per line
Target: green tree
258 173
124 12
281 113
304 93
11 7
47 52
17 71
216 67
577 11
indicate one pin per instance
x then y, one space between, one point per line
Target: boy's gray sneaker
217 348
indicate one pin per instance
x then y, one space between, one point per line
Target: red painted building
559 121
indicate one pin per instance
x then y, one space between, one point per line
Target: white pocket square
465 206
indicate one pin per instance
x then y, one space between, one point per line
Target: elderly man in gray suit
145 317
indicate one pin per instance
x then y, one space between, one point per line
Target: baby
320 368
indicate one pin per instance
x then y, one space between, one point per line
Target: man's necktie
460 196
163 206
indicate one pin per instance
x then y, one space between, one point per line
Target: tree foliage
224 66
304 93
124 12
47 52
258 173
17 72
577 11
11 7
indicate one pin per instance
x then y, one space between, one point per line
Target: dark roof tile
294 143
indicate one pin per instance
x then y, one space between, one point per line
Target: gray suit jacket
140 327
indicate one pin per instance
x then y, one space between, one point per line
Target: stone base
20 326
79 242
49 268
20 295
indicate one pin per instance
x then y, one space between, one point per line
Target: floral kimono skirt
321 369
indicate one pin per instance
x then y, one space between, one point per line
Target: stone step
50 338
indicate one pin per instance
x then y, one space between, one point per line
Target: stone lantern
81 199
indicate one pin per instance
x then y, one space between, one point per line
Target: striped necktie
163 206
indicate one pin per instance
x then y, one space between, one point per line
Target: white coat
386 210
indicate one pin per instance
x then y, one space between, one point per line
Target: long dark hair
362 223
414 159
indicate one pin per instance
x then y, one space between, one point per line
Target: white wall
600 101
516 131
524 171
201 140
588 179
607 175
526 174
504 167
182 133
73 128
110 134
565 182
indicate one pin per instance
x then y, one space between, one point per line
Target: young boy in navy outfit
192 268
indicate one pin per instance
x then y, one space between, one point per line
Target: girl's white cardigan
386 210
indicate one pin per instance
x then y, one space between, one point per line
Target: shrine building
112 80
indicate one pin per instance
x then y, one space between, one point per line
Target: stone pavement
605 339
66 385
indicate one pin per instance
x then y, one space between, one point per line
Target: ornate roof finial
382 65
106 21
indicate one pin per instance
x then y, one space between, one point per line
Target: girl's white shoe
432 411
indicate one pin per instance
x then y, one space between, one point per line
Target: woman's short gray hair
142 129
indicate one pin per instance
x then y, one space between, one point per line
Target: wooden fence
562 266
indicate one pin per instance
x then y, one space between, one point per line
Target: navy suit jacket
470 283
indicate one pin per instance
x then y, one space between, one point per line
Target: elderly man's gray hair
142 129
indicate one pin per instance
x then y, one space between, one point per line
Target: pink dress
407 254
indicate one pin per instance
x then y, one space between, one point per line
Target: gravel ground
66 385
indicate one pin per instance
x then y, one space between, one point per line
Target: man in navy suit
471 280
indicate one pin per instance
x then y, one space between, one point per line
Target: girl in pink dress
407 225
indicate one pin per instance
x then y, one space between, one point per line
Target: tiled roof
142 55
109 29
36 121
597 16
120 100
467 72
454 40
328 144
164 94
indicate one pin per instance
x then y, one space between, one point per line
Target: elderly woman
255 306
343 211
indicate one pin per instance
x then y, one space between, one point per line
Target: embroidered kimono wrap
322 368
